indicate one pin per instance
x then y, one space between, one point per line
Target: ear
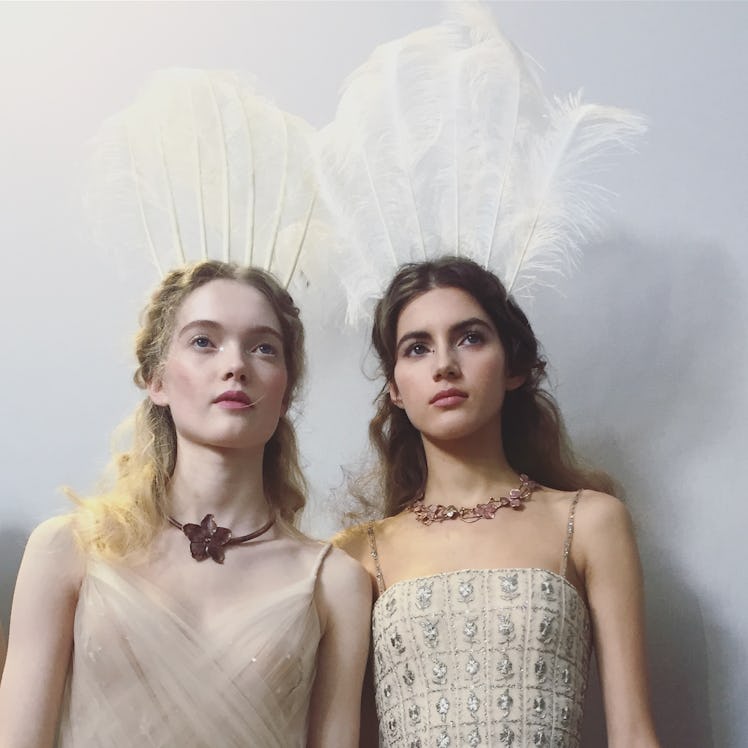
395 395
157 393
515 382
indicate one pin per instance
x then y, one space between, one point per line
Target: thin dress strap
320 558
375 555
569 532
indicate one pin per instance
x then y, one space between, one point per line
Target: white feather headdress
199 167
444 143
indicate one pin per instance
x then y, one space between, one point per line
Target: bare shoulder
354 541
598 511
343 570
602 529
52 545
344 588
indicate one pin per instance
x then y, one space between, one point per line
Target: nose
446 365
234 362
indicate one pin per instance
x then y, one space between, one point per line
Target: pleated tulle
143 674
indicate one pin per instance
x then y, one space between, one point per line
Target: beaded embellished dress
144 675
486 657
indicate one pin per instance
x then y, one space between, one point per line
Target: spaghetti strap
320 558
569 532
375 555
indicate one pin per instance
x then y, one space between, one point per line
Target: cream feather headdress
199 167
444 143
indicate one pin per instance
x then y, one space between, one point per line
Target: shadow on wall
637 349
12 542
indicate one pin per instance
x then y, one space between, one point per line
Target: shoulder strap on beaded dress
375 555
569 532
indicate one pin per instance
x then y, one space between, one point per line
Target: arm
344 599
613 581
355 543
2 649
40 637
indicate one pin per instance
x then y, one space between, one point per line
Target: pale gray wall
647 341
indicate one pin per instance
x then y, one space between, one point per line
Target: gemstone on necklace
451 512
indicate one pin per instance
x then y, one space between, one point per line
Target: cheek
179 378
276 382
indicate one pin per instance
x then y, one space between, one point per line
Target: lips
452 396
233 399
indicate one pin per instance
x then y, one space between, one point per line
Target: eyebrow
255 330
456 328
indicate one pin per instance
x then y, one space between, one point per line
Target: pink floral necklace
427 515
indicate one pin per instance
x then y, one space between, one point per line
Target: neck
467 471
223 482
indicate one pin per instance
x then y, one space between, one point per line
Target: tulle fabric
143 673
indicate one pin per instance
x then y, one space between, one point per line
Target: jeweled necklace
208 539
516 498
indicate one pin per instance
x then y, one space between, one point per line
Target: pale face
224 378
450 373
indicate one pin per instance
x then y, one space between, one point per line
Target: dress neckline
470 570
162 599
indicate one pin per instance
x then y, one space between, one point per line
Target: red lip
233 396
452 392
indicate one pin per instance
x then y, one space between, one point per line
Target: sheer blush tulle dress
487 657
143 675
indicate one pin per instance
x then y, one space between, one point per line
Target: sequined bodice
491 657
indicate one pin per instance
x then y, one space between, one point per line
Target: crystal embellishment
424 592
466 591
546 629
506 627
505 667
473 703
430 633
509 586
439 672
442 706
443 741
470 629
505 702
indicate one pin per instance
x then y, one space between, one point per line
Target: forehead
440 307
230 303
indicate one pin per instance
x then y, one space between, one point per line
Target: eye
202 342
266 349
416 349
472 337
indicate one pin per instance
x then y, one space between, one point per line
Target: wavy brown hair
125 518
533 433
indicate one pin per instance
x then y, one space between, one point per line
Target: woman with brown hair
168 628
499 560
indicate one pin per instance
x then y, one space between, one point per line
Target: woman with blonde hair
169 628
182 607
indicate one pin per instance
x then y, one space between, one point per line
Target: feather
558 205
200 166
445 143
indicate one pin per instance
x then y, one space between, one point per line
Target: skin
447 341
218 469
2 648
